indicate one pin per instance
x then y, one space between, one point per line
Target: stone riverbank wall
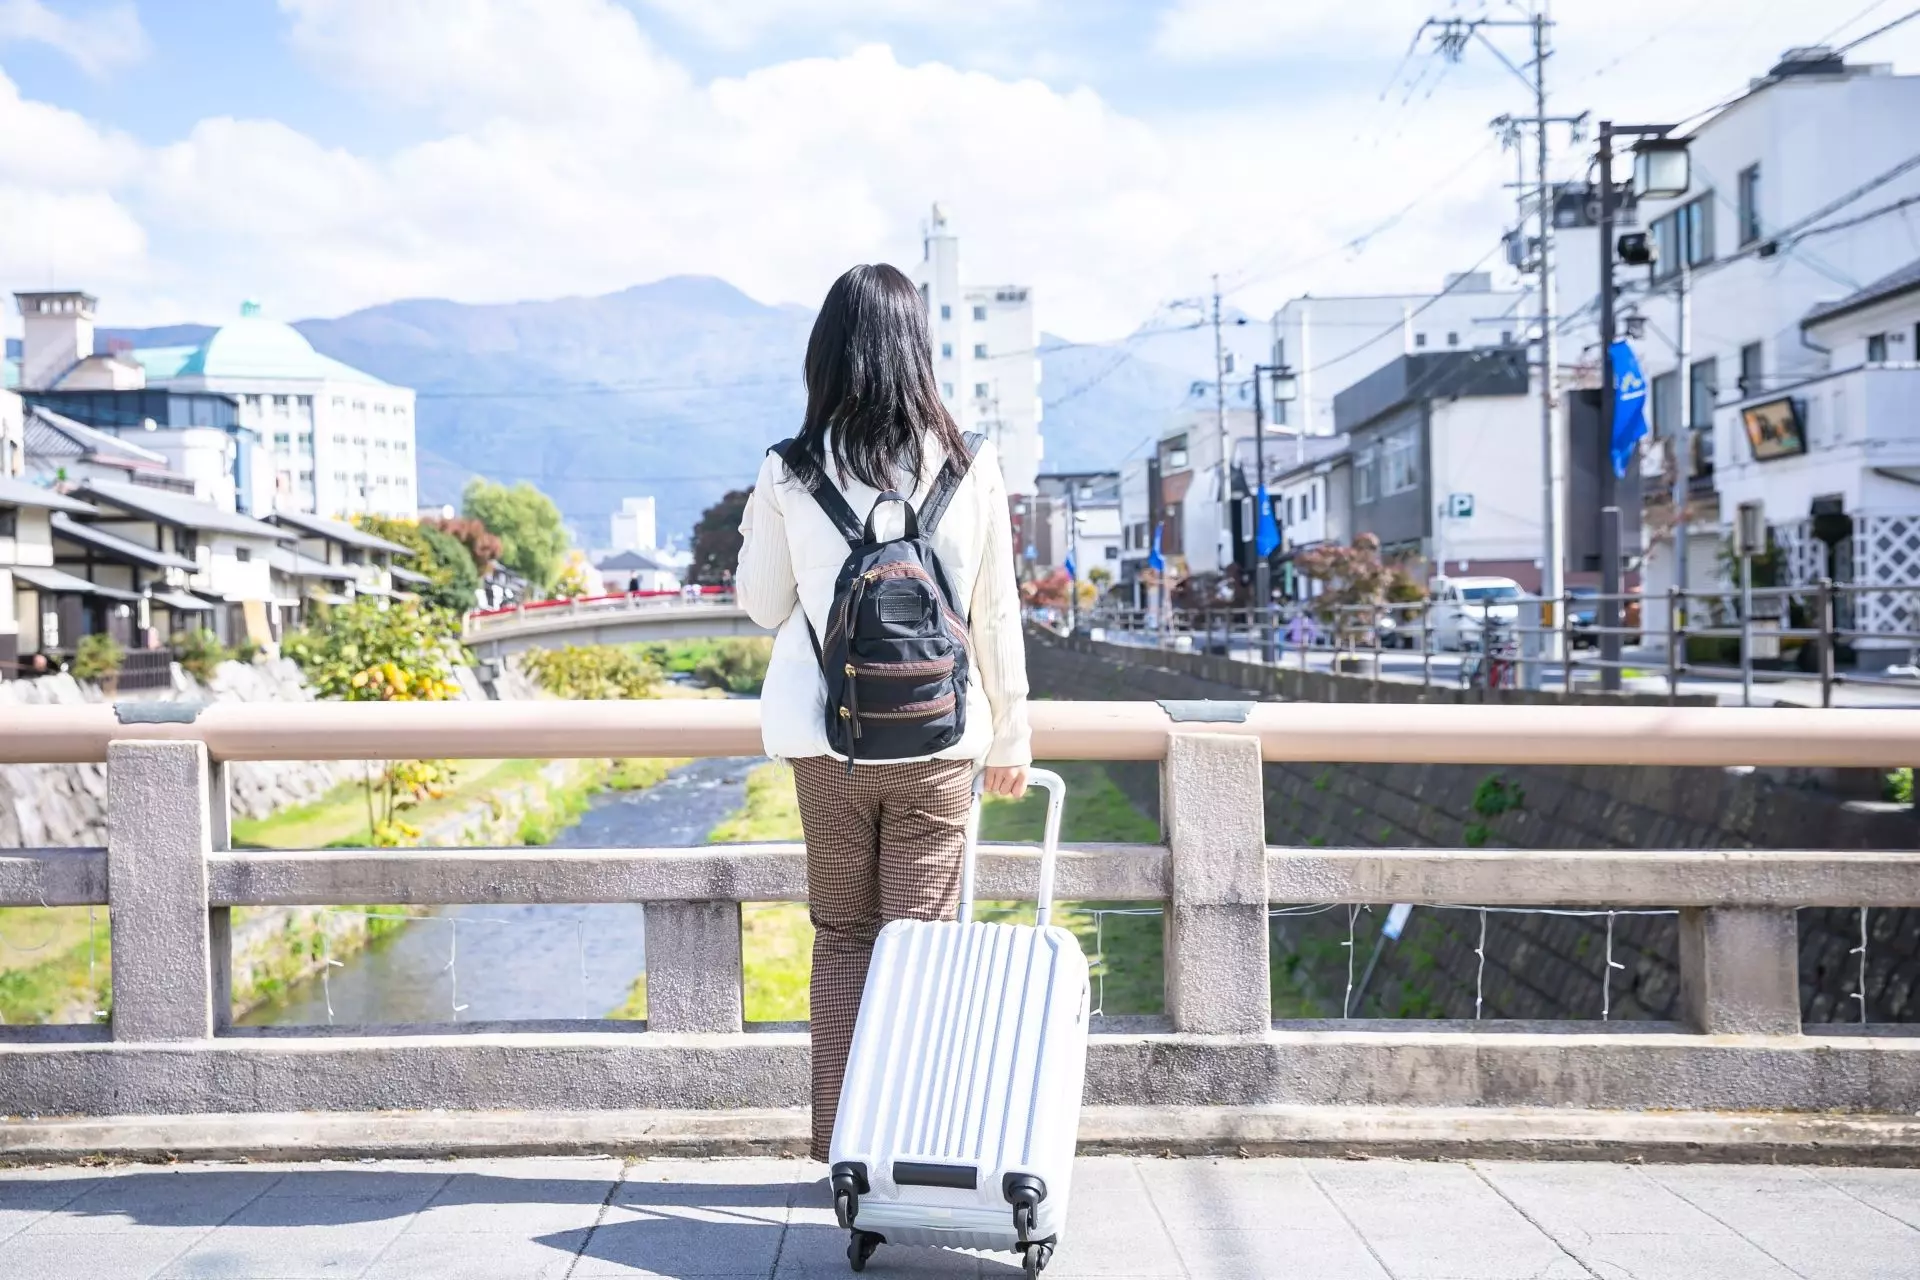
51 806
1536 965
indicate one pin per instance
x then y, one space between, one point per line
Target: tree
444 560
1354 582
527 523
481 545
360 652
716 540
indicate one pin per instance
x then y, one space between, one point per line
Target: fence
170 880
1740 636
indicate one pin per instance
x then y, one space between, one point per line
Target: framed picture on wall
1774 429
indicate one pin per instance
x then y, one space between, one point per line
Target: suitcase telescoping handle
1056 789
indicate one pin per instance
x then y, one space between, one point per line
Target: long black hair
870 378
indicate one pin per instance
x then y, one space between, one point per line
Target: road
1149 1219
1646 675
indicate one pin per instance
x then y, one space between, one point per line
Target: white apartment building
1078 512
340 441
1333 342
985 354
634 525
1794 235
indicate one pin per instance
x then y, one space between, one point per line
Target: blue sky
175 156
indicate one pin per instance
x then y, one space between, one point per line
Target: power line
1857 41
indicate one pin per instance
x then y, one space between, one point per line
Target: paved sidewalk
1298 1219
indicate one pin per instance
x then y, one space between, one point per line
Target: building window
1688 230
243 554
1506 337
1366 464
1876 348
946 351
946 390
981 391
979 351
9 522
1399 463
1752 381
979 313
281 439
1704 388
946 311
1177 459
339 402
1453 339
1666 403
1419 339
1749 207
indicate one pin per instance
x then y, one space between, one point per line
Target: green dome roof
256 347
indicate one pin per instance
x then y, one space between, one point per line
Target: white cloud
98 40
573 156
737 24
1239 30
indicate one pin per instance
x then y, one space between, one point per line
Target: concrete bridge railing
170 879
615 619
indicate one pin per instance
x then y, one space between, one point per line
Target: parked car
1462 606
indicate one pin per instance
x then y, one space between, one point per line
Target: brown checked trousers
883 843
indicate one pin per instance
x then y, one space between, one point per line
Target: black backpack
895 650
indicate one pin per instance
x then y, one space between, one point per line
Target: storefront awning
59 583
182 601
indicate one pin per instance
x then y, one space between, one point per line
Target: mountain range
673 388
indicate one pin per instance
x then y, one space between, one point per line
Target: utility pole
1454 34
1224 537
1682 436
1073 555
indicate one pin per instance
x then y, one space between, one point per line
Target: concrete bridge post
160 830
1218 980
693 967
1740 970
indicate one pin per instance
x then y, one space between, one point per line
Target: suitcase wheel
1036 1259
1023 1215
846 1206
860 1247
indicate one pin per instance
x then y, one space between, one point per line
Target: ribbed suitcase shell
970 1050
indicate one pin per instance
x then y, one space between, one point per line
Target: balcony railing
170 880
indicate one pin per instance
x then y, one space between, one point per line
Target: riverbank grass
777 938
56 965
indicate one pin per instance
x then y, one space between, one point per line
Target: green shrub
592 672
738 665
98 658
199 652
247 651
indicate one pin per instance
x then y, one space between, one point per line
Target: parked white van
1462 606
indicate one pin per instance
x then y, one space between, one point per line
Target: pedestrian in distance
877 544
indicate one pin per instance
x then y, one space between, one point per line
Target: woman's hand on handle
1007 780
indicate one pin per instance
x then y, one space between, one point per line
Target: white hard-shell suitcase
961 1103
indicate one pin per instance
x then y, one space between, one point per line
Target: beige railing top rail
1062 731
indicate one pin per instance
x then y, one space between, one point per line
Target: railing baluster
1740 970
693 967
1212 802
159 833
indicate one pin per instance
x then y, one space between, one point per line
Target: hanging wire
1480 972
1860 994
1606 974
1346 1001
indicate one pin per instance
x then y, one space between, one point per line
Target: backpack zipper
900 670
917 710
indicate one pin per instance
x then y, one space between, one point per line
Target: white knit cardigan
791 555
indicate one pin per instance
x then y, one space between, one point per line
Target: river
493 963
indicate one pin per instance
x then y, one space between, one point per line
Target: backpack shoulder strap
827 494
944 488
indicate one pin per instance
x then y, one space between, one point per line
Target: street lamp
1661 171
1662 168
1286 387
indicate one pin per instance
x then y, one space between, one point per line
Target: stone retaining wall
1536 965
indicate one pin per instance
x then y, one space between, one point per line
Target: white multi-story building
634 525
985 354
1333 342
340 441
1795 231
284 428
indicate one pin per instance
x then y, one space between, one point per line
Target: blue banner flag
1073 570
1156 561
1267 540
1629 405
